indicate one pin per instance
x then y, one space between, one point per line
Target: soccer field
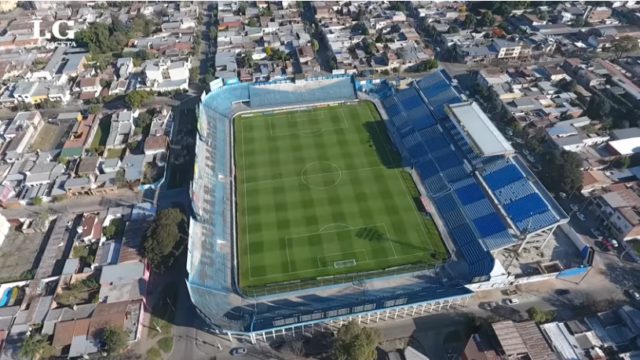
320 192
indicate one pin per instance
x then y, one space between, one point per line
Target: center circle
321 175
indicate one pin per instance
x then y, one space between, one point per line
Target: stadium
322 200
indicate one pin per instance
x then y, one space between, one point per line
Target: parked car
562 195
596 234
581 216
614 243
573 207
562 292
239 351
510 292
633 294
603 245
488 305
511 301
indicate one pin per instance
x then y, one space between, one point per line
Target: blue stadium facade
483 203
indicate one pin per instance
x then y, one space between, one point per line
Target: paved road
77 205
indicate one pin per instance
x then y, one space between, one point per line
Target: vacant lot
18 255
52 136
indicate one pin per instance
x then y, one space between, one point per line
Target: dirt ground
51 136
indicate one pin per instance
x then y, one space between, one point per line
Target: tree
117 26
37 201
36 346
115 340
135 98
569 86
253 22
486 19
354 342
121 179
315 45
162 237
578 22
95 108
542 15
561 171
598 108
624 45
541 316
469 21
453 29
426 65
360 28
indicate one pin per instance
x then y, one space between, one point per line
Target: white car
574 207
613 243
562 195
512 301
581 216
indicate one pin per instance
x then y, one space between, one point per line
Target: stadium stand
444 170
211 263
456 179
521 201
449 164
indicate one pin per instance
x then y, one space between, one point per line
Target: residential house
118 87
91 228
493 76
159 122
570 135
507 49
155 144
133 167
619 208
124 67
18 144
164 75
598 15
624 142
110 165
88 167
21 121
121 129
76 186
24 90
81 337
89 88
81 136
593 180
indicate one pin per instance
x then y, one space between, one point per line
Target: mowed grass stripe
325 177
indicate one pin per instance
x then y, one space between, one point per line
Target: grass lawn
635 244
320 193
101 135
115 153
166 344
154 354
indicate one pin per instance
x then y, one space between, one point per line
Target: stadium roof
484 135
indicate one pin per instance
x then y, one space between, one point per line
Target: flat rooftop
483 134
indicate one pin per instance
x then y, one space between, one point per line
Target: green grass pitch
320 192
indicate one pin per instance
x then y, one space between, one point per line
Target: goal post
344 263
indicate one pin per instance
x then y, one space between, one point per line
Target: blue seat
470 193
503 176
489 224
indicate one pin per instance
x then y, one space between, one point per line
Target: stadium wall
211 264
212 280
